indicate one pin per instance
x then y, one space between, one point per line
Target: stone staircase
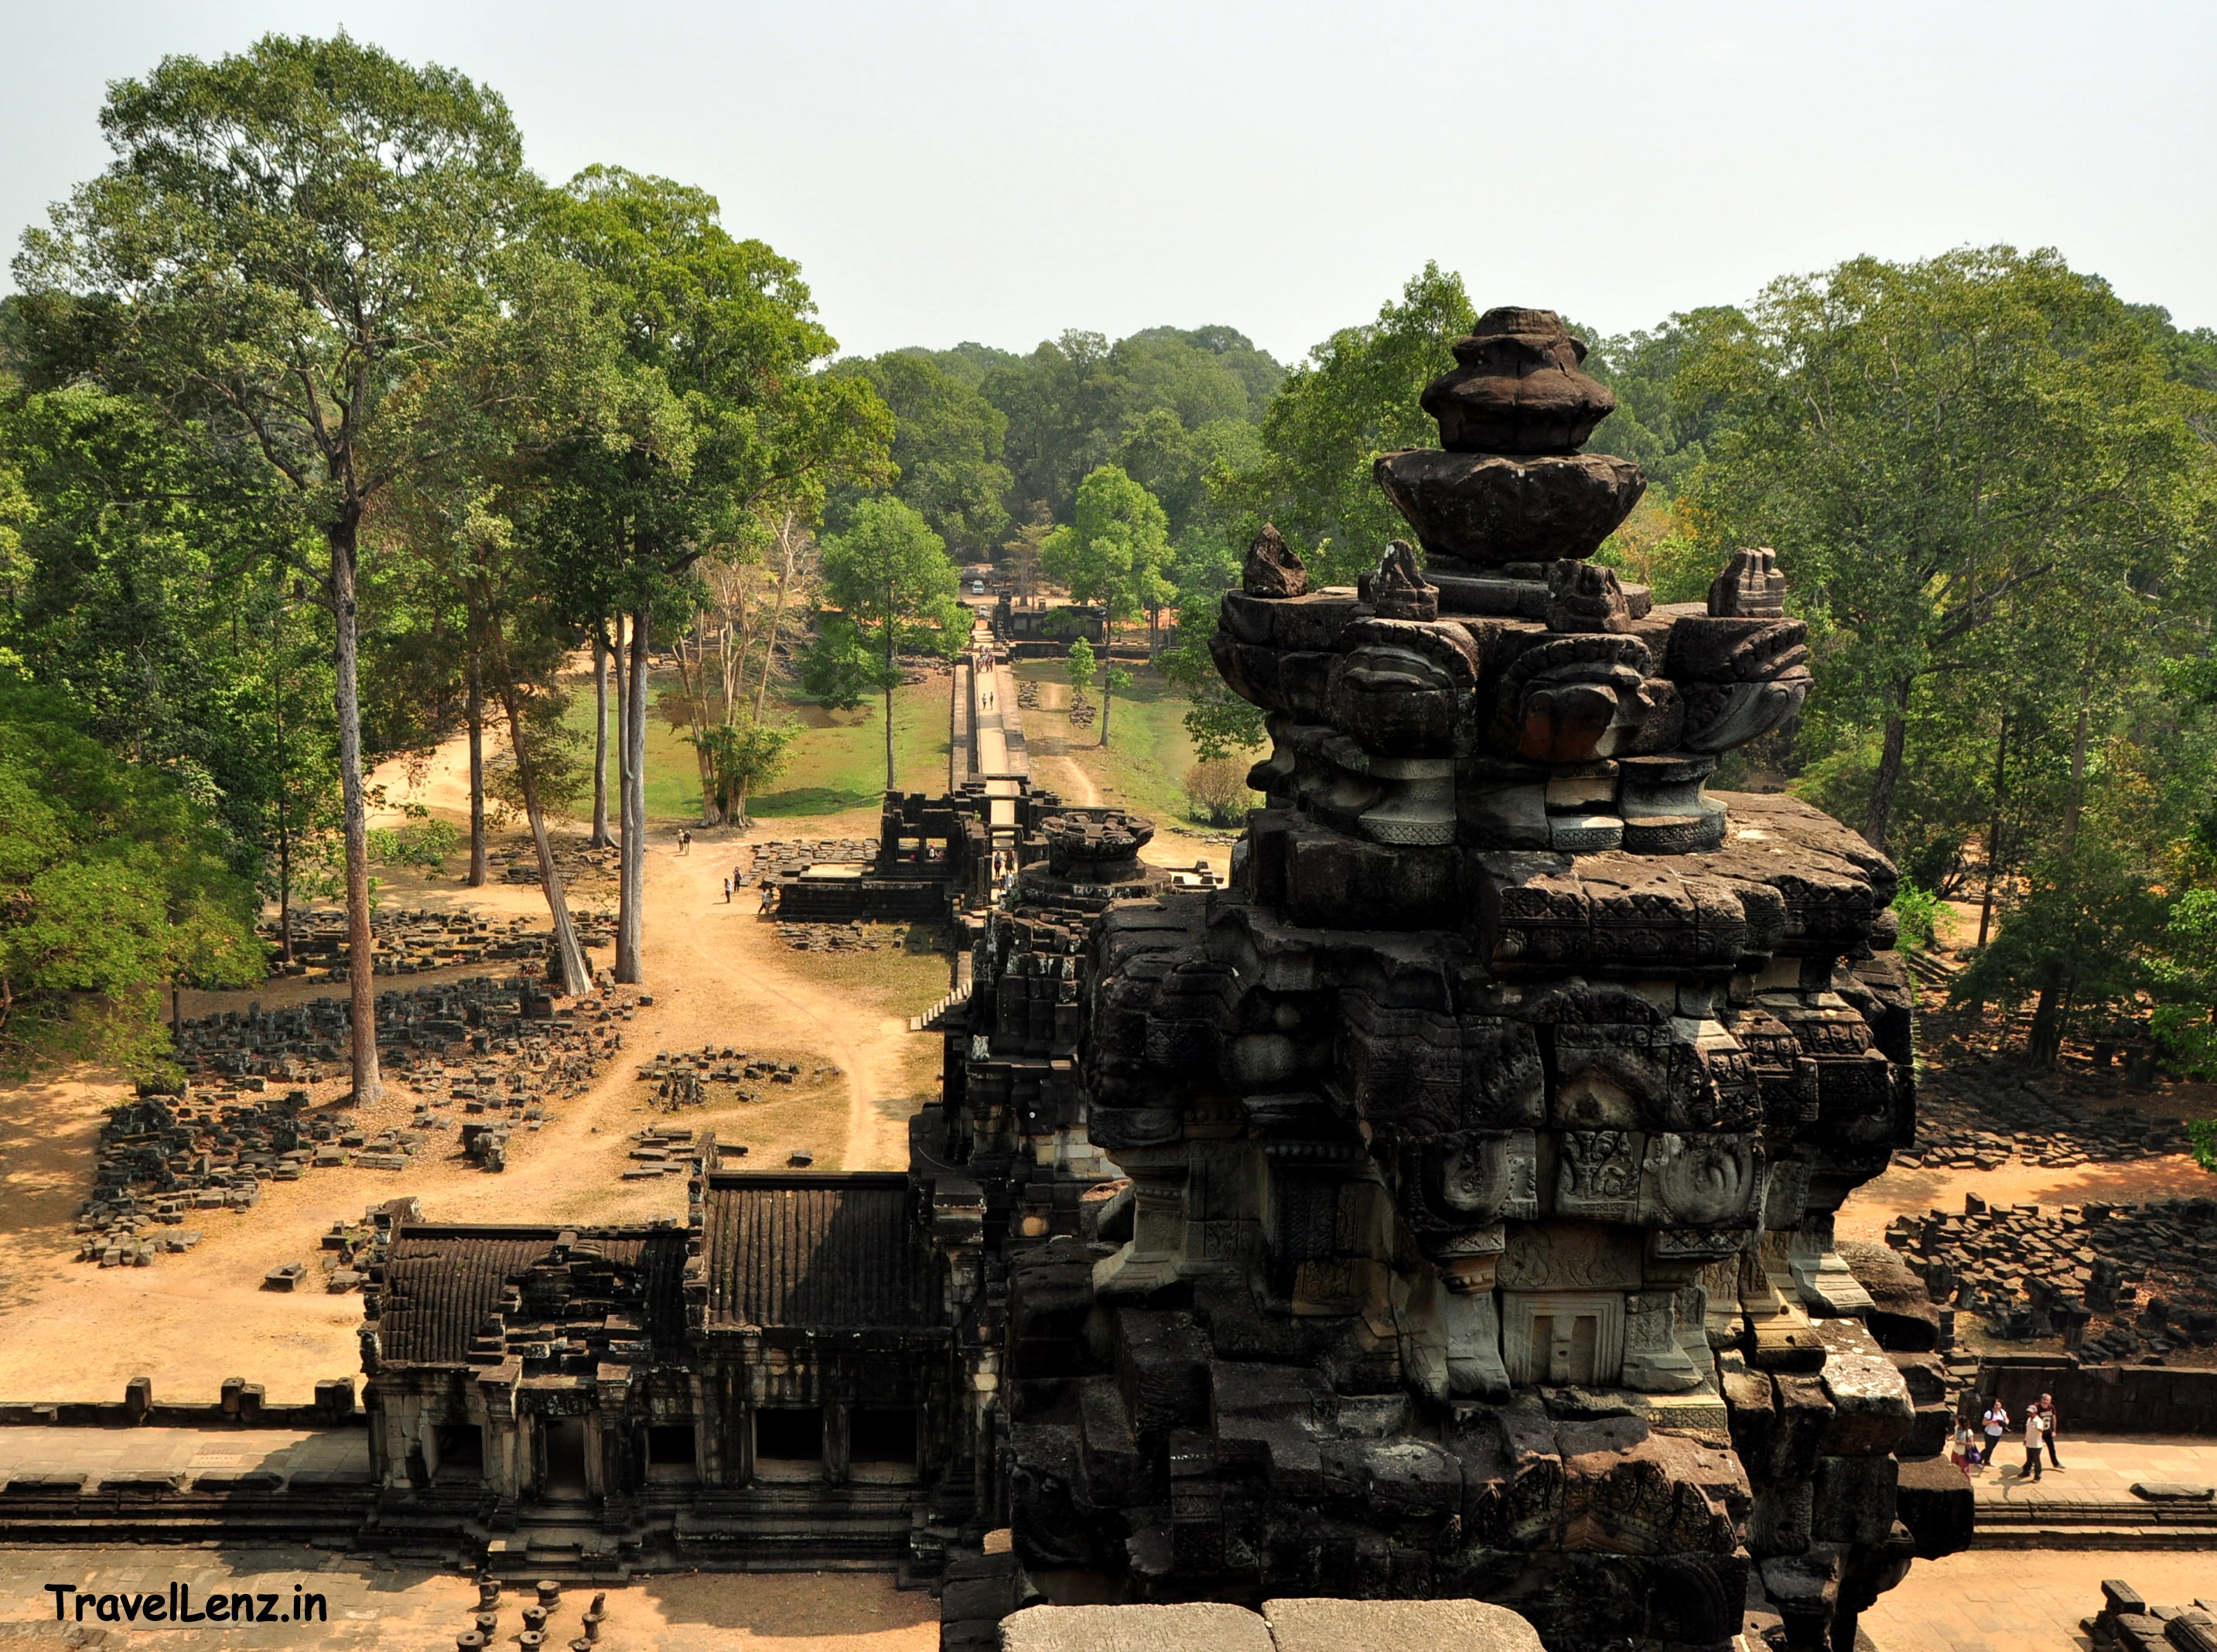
928 1021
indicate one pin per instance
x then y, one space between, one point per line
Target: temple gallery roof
830 1252
443 1283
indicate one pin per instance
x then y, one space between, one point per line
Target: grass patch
1143 769
837 764
904 981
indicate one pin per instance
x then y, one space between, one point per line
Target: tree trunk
2045 1039
892 782
631 888
790 536
476 714
284 823
711 813
572 976
1994 835
2076 804
619 690
284 880
600 740
1889 767
361 946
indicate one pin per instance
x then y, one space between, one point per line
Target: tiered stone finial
1507 488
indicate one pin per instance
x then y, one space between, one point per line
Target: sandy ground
1900 1191
718 974
2012 1600
381 1606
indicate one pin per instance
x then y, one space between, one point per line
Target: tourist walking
1967 1446
2034 1430
727 891
2045 1406
1996 1424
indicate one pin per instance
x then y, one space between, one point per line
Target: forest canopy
329 431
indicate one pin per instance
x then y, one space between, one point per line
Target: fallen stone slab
1323 1626
1192 1628
2172 1491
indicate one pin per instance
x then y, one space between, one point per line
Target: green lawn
1144 767
838 763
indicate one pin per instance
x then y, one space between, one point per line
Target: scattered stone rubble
854 937
351 1249
681 1078
494 1047
2115 1281
444 1026
2127 1622
661 1150
410 942
760 861
1981 1118
577 865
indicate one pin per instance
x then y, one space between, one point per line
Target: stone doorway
1558 1337
565 1477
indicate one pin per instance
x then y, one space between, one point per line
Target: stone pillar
839 1440
1150 1260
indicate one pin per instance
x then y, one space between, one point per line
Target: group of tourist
1976 1447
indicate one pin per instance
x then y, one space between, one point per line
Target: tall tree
946 446
1353 399
891 580
1937 446
1114 554
284 237
729 424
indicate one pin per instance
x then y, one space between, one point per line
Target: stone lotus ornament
1494 509
1517 387
1507 485
1749 587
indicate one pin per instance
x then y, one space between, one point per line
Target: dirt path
719 975
1072 780
745 978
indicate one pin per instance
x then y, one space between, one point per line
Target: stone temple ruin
1442 1209
1483 1137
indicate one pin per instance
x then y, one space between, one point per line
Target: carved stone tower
1484 1134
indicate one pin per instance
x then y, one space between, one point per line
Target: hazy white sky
1001 172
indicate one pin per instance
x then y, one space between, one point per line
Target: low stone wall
239 1405
2105 1399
